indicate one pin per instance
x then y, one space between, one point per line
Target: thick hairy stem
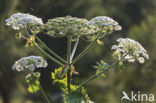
68 61
44 95
49 50
68 79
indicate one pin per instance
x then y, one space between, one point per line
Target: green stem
91 45
96 75
68 61
53 59
48 49
85 51
45 96
74 49
68 49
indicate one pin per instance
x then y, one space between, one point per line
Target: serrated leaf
33 88
102 75
102 62
56 74
101 66
68 98
33 81
76 95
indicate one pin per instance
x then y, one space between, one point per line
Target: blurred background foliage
138 19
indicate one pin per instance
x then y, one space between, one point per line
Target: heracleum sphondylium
29 63
21 20
132 49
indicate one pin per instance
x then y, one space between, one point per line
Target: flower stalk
74 49
50 57
44 94
90 46
85 51
96 75
68 61
49 50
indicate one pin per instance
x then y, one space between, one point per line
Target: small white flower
20 20
105 22
36 74
28 76
132 49
29 63
64 26
131 60
31 67
42 64
141 60
114 47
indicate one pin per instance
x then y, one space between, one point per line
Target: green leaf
102 75
77 95
33 88
33 81
56 75
101 66
69 98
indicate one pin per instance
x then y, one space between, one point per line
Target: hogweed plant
73 29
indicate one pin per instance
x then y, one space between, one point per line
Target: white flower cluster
65 26
29 63
105 23
132 49
20 20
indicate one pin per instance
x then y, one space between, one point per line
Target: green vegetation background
138 19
